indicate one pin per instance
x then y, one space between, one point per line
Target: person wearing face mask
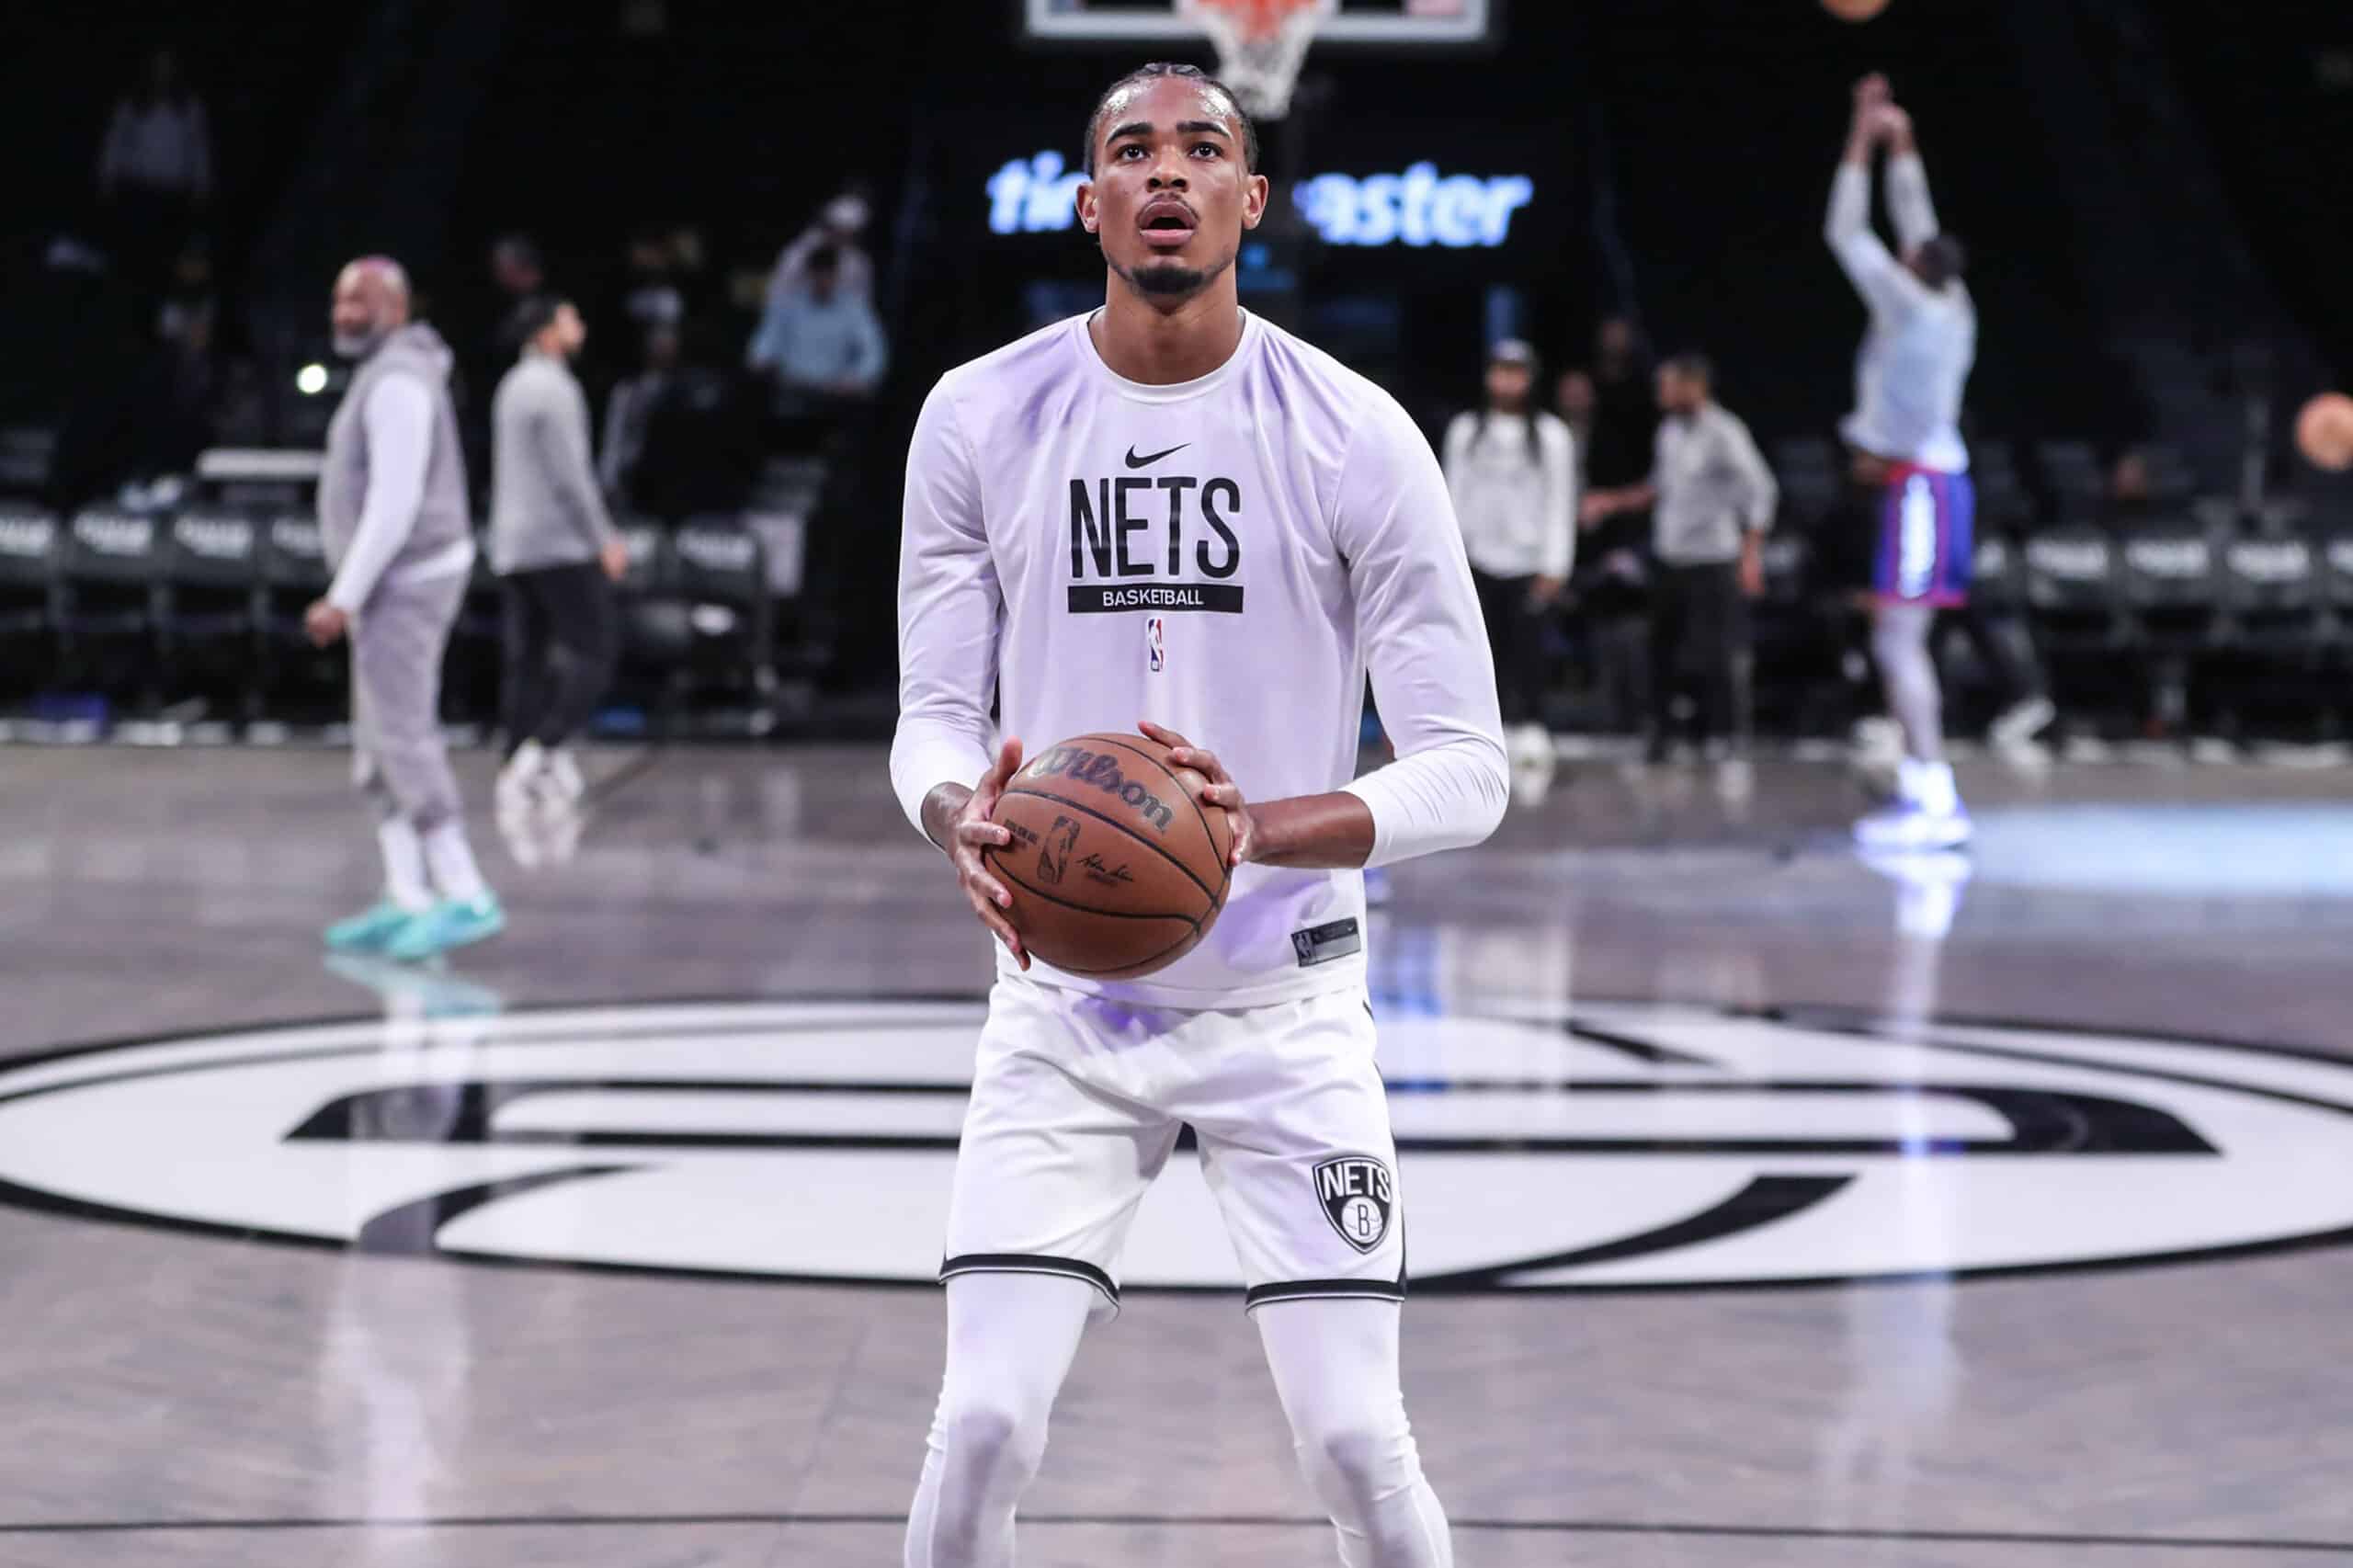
392 514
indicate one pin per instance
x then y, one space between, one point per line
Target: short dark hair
1941 259
1155 70
532 318
1694 367
824 260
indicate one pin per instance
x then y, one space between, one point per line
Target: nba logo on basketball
1155 643
1357 1198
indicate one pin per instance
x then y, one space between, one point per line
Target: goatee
1169 279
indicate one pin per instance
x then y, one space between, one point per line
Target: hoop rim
1259 19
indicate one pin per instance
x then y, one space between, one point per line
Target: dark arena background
1783 1190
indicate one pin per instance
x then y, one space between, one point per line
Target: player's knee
1362 1457
994 1441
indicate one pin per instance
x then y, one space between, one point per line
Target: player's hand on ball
1221 791
971 833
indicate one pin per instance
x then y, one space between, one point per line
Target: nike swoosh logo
1135 461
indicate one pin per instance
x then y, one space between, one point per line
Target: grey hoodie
412 350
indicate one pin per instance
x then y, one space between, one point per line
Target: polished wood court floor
1776 1208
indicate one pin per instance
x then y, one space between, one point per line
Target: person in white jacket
1511 468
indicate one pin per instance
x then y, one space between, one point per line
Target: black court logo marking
1358 1197
1608 1146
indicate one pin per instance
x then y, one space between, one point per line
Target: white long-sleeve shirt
1917 356
1517 508
399 417
1227 557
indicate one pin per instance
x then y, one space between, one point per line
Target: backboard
1397 24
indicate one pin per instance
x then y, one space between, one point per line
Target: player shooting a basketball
1171 510
1904 441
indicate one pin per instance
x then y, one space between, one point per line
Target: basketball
1854 10
1116 870
2324 432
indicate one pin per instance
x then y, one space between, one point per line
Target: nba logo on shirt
1155 644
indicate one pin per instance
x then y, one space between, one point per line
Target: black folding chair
209 624
109 584
29 551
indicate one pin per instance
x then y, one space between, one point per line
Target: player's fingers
978 880
1002 930
1163 733
1227 794
979 832
1204 763
1008 764
1245 839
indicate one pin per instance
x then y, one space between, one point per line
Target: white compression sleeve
1334 1363
1010 1341
1432 676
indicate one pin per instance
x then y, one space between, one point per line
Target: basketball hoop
1261 44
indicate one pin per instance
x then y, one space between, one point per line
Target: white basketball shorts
1076 1106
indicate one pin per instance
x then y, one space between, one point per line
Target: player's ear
1253 201
1088 214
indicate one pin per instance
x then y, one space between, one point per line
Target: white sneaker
1528 744
520 778
1907 827
2022 722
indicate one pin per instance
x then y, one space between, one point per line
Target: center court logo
1603 1147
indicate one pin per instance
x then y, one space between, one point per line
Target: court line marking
1219 1521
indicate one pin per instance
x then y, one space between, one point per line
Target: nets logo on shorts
1358 1197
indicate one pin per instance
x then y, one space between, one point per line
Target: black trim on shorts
1028 1263
1308 1289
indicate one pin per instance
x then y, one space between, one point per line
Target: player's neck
1156 348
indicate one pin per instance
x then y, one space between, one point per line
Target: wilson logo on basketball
1098 771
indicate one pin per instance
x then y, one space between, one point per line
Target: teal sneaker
370 931
448 924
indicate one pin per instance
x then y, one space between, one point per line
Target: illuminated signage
1419 207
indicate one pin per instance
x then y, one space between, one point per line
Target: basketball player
392 514
1904 441
557 556
1171 510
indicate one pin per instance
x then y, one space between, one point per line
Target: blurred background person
1511 468
1906 449
837 229
154 168
557 556
1611 582
1711 499
392 513
820 346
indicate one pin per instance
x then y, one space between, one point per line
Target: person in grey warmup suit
555 551
392 513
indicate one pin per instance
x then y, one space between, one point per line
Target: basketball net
1261 44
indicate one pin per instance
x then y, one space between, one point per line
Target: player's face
1170 195
361 311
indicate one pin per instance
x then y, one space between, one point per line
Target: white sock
1928 785
452 861
404 881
